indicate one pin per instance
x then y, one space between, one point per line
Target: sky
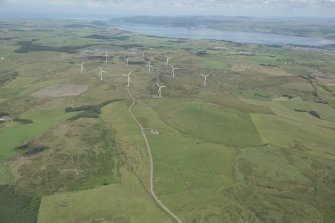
121 8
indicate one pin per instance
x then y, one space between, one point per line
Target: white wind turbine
149 66
142 54
82 68
129 78
160 90
100 74
205 76
106 56
167 60
173 69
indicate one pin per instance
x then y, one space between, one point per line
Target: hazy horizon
104 9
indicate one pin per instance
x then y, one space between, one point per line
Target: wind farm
217 132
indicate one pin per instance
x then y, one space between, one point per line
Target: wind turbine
160 90
149 66
142 54
127 61
173 69
167 60
106 55
101 72
82 68
128 75
205 76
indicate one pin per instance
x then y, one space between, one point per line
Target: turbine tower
205 76
160 90
167 60
129 79
149 66
82 68
106 56
127 61
142 54
173 69
100 74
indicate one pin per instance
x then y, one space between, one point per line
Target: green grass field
124 202
233 151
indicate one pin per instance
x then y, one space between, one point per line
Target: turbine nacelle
205 76
149 66
173 69
128 76
167 59
101 73
106 56
160 90
142 54
82 68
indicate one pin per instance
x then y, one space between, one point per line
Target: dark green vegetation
101 37
2 114
4 78
255 145
17 207
89 111
314 113
23 121
29 46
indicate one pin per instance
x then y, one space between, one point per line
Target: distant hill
299 26
183 20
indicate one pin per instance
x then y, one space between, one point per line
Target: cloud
179 3
199 7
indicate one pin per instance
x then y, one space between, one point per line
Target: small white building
154 132
155 97
6 118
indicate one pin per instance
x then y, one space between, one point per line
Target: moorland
256 144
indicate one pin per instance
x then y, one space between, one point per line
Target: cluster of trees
89 111
314 113
23 121
16 207
29 46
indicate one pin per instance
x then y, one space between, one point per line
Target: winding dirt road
152 192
